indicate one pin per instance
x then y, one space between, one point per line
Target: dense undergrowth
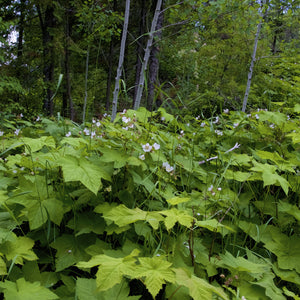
151 206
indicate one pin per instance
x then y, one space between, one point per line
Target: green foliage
151 206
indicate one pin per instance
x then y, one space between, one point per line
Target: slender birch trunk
121 59
146 56
250 73
154 63
85 83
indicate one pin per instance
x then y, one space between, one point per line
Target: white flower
216 121
1 133
210 188
257 116
86 131
182 132
14 171
198 117
142 157
93 133
288 117
235 125
248 115
243 298
202 124
188 124
226 111
168 168
38 118
125 128
147 147
68 134
162 118
218 132
104 115
17 131
21 115
156 146
272 126
98 124
93 121
219 189
126 120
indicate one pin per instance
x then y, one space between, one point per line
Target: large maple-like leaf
156 272
80 169
174 215
199 288
24 290
111 269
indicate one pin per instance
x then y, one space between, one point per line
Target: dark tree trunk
154 62
47 23
68 33
140 48
21 29
110 67
109 75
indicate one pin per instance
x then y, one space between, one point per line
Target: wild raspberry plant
151 206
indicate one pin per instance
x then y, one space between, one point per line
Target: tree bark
47 23
110 68
121 60
140 48
154 63
68 33
86 83
147 55
250 73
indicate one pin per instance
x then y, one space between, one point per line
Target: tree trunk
109 75
121 59
47 23
140 48
67 65
154 63
86 83
21 29
250 73
110 68
147 55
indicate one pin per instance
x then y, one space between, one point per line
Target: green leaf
212 225
241 264
290 209
198 287
118 157
82 170
24 290
177 200
111 270
290 294
287 250
34 145
120 215
270 177
156 272
70 250
174 215
3 269
267 282
86 289
18 249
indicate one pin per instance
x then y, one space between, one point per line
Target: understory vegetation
151 206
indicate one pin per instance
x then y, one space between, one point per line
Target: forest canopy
62 56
